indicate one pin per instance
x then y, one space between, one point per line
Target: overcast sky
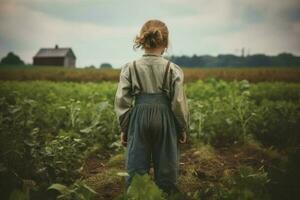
103 30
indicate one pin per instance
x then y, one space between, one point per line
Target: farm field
243 139
253 75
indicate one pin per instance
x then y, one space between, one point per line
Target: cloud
102 30
30 30
225 26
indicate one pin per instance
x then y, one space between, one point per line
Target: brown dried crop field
253 75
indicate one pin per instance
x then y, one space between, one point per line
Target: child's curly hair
153 34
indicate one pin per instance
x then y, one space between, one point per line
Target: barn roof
54 52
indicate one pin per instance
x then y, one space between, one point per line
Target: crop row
48 129
97 75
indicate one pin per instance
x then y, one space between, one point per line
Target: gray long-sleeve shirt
151 70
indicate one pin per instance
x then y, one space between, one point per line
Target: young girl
152 110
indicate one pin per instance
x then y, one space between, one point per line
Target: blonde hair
153 34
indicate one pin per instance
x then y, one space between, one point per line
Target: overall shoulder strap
165 76
170 82
137 75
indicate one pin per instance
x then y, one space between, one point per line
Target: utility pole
243 52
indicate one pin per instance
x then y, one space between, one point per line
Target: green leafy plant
246 184
77 191
142 187
49 129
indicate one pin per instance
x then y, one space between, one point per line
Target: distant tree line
226 60
102 66
229 60
11 59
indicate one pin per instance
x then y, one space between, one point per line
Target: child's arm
123 99
179 102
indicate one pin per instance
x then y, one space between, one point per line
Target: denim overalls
152 137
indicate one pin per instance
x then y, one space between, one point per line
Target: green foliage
19 195
116 160
246 184
61 158
277 123
142 187
105 66
222 112
77 191
48 129
275 91
11 59
20 192
230 60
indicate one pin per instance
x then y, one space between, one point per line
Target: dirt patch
201 169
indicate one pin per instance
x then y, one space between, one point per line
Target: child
152 110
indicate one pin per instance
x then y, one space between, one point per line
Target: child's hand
123 139
182 138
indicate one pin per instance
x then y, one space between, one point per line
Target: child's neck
156 51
